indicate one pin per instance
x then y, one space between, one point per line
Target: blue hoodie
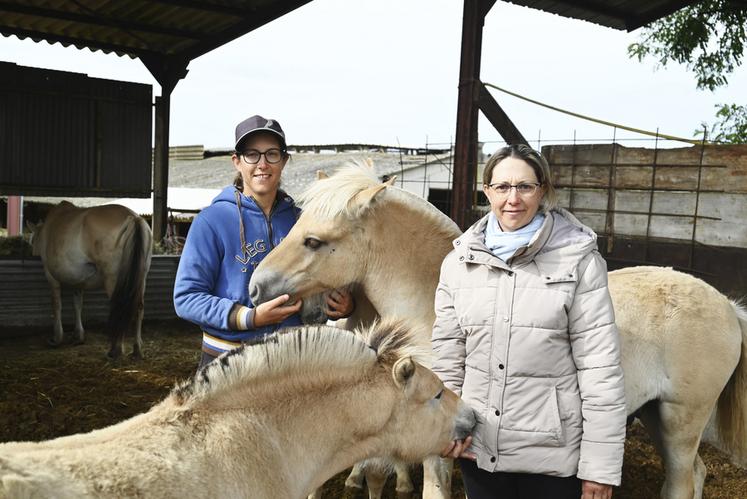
214 272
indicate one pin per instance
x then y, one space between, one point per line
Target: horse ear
321 174
391 180
402 371
361 201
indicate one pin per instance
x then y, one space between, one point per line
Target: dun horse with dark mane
86 248
271 420
684 344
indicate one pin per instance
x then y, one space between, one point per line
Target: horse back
77 243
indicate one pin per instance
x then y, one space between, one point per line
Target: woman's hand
458 448
339 303
594 490
275 311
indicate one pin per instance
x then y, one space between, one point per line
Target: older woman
525 332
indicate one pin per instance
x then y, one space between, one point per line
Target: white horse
270 420
107 246
683 343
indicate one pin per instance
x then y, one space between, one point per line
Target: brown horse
264 421
86 248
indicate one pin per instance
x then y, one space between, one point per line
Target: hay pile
45 393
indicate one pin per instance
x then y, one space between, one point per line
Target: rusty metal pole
465 149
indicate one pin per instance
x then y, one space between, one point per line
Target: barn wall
683 207
66 134
696 193
25 298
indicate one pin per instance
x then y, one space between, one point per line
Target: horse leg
109 277
376 480
80 334
700 473
404 485
137 346
356 477
437 478
681 427
57 311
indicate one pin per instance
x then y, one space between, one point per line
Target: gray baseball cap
257 123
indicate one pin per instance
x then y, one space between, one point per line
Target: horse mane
329 197
307 350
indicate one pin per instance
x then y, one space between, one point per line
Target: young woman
525 332
228 239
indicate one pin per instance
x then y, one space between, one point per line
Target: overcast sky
386 71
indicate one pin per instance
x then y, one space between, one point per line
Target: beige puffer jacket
531 345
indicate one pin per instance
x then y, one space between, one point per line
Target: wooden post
465 149
168 71
161 167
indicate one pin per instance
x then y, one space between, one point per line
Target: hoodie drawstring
241 223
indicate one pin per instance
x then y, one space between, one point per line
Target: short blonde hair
533 159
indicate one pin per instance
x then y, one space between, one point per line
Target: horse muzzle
465 421
266 285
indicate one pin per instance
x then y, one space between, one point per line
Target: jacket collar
556 249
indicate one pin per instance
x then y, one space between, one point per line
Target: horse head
327 247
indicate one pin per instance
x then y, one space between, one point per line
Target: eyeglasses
524 189
272 156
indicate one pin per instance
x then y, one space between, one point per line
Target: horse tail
731 418
126 299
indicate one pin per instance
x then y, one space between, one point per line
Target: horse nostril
254 293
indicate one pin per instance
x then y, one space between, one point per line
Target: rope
596 120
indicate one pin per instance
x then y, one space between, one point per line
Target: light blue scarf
504 244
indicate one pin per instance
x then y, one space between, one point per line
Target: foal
275 419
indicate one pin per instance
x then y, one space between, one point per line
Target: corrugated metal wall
67 134
25 299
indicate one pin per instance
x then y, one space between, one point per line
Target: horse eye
438 396
312 243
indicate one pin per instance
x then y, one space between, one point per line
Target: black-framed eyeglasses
272 156
522 188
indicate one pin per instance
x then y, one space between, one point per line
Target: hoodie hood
228 195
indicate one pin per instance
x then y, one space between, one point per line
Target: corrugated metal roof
619 14
185 29
181 29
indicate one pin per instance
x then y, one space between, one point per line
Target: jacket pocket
557 427
569 405
535 421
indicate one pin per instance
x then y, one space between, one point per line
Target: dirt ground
46 393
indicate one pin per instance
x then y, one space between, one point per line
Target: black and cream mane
307 349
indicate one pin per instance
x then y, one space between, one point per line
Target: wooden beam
465 148
161 167
499 119
168 71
